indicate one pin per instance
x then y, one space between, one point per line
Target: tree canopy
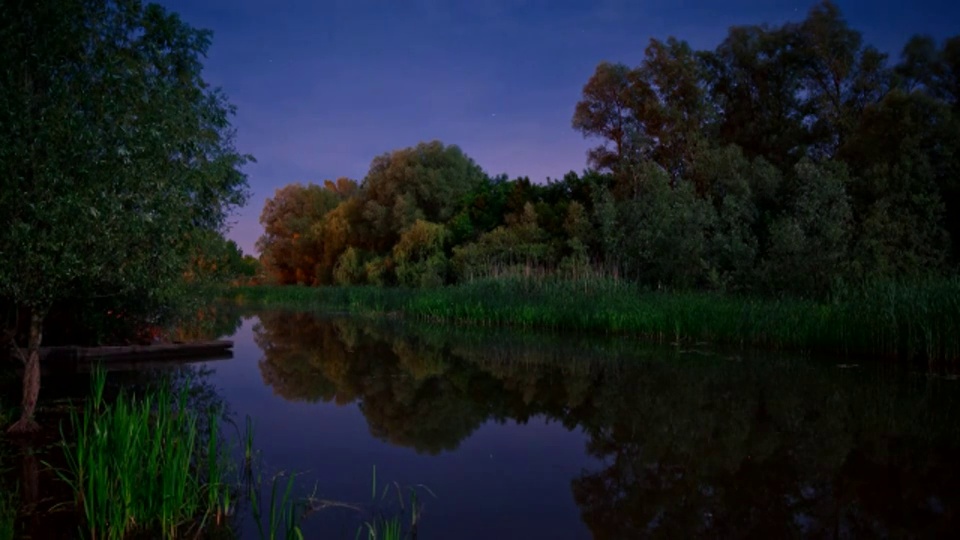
116 155
787 159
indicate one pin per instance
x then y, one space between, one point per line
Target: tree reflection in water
694 443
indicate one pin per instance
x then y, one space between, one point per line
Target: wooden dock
126 357
158 351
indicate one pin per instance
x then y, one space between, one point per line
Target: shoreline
915 322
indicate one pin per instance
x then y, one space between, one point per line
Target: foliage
384 526
788 159
141 464
878 319
117 157
291 245
283 511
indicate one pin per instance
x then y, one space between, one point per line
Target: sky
324 86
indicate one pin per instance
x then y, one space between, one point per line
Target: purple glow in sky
324 86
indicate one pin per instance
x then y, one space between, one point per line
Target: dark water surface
523 436
520 435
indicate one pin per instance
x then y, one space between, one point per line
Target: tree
651 112
115 154
291 246
425 182
665 226
842 76
754 79
420 256
606 112
810 244
675 108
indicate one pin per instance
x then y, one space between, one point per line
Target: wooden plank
87 366
136 352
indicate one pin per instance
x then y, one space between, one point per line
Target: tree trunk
31 376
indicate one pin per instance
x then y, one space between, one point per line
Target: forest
788 161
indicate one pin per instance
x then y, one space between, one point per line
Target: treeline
788 159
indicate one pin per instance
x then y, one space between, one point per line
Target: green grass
280 518
140 465
920 320
386 522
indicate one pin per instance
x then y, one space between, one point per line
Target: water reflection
691 443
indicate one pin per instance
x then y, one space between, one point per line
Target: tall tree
842 76
292 245
427 182
607 112
675 109
754 79
114 154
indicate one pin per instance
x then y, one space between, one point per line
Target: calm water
523 436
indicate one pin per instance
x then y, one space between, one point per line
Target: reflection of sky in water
503 481
690 443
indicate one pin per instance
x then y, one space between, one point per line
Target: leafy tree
214 259
739 192
809 246
481 210
665 240
290 247
419 255
115 154
425 182
948 73
842 76
338 229
651 112
754 78
520 242
606 112
905 152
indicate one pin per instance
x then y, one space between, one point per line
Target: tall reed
139 464
280 519
386 523
907 320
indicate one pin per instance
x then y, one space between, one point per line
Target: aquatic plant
280 519
919 320
386 523
139 464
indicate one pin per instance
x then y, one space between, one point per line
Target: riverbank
911 322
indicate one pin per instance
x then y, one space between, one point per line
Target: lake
508 434
519 435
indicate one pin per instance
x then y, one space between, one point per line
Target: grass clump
280 519
141 465
388 523
913 321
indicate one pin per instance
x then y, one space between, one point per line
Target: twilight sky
323 86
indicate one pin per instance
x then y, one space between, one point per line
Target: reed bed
912 321
145 465
392 522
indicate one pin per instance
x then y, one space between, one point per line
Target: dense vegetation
787 160
118 169
921 321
